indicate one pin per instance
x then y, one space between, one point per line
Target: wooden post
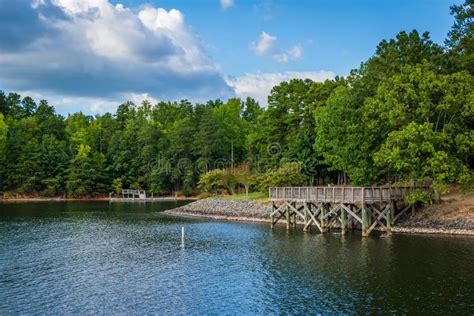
271 214
343 221
293 222
365 224
365 221
306 216
412 187
287 217
323 221
390 218
350 222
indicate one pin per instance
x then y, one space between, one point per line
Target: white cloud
93 49
258 85
265 44
296 52
225 4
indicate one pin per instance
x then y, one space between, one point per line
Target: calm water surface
96 257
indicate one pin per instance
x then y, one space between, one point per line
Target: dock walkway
346 208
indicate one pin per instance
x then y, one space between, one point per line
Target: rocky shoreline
259 212
224 209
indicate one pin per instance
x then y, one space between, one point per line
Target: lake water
96 257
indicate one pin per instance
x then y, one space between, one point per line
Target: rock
220 207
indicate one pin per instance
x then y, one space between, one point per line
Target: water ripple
98 258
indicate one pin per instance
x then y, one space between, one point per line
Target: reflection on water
88 257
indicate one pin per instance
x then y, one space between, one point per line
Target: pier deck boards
346 208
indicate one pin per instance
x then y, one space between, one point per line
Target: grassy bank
254 196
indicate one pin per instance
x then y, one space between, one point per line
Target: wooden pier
346 208
129 195
133 194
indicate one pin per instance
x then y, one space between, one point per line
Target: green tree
343 141
211 180
288 174
117 185
3 133
461 37
3 145
54 162
85 175
419 152
420 95
245 177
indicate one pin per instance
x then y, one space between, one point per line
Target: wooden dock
128 195
147 199
346 208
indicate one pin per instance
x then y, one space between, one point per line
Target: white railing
128 193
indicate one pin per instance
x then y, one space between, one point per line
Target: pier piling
346 208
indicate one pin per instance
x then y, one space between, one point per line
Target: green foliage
406 114
80 172
211 180
424 123
343 141
117 185
3 133
85 175
418 152
228 179
288 174
52 186
460 38
245 176
419 196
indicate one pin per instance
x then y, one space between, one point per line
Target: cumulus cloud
258 85
296 52
225 4
266 45
94 49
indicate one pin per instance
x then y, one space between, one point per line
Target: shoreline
39 199
92 199
238 212
395 229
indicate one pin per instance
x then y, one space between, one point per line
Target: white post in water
182 236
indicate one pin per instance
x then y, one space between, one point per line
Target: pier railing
340 194
128 193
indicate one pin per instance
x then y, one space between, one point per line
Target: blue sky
91 55
335 35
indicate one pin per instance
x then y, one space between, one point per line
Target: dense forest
405 114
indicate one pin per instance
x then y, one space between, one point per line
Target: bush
419 196
288 174
211 180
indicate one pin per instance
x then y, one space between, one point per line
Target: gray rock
220 207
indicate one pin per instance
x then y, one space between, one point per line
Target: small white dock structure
133 194
129 195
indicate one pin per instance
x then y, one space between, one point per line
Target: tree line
406 114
